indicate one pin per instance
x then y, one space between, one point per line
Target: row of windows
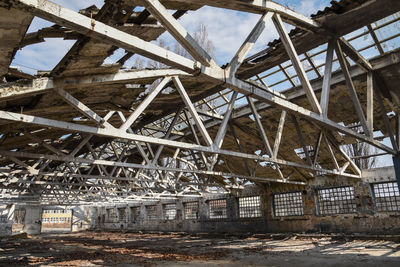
169 211
249 207
339 200
56 211
57 220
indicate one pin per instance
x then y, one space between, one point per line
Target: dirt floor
135 249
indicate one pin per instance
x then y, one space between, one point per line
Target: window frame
293 208
169 207
346 211
190 204
152 217
134 215
244 211
211 214
385 204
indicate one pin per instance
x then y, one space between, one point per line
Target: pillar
396 163
232 206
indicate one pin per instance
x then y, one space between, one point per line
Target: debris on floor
91 248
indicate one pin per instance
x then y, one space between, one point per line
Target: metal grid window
135 214
169 211
121 214
288 204
217 209
191 210
387 196
112 215
151 212
336 200
249 207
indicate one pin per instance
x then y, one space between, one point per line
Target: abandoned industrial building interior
199 132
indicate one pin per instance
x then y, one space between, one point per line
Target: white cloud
79 4
308 7
43 56
227 30
31 58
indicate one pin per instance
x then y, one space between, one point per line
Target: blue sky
226 34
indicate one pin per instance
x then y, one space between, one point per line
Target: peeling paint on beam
43 85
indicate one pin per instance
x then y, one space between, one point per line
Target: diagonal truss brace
157 87
177 31
85 25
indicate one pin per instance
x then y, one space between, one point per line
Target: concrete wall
366 219
6 222
80 218
32 221
203 224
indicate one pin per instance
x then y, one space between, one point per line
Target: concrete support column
122 216
396 163
129 215
33 220
143 213
180 213
232 207
267 204
203 210
93 217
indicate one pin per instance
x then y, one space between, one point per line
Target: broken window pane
217 209
387 196
191 210
169 211
336 200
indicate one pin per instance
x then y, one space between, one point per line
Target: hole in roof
77 5
30 59
114 57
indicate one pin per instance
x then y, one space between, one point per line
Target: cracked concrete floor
134 249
